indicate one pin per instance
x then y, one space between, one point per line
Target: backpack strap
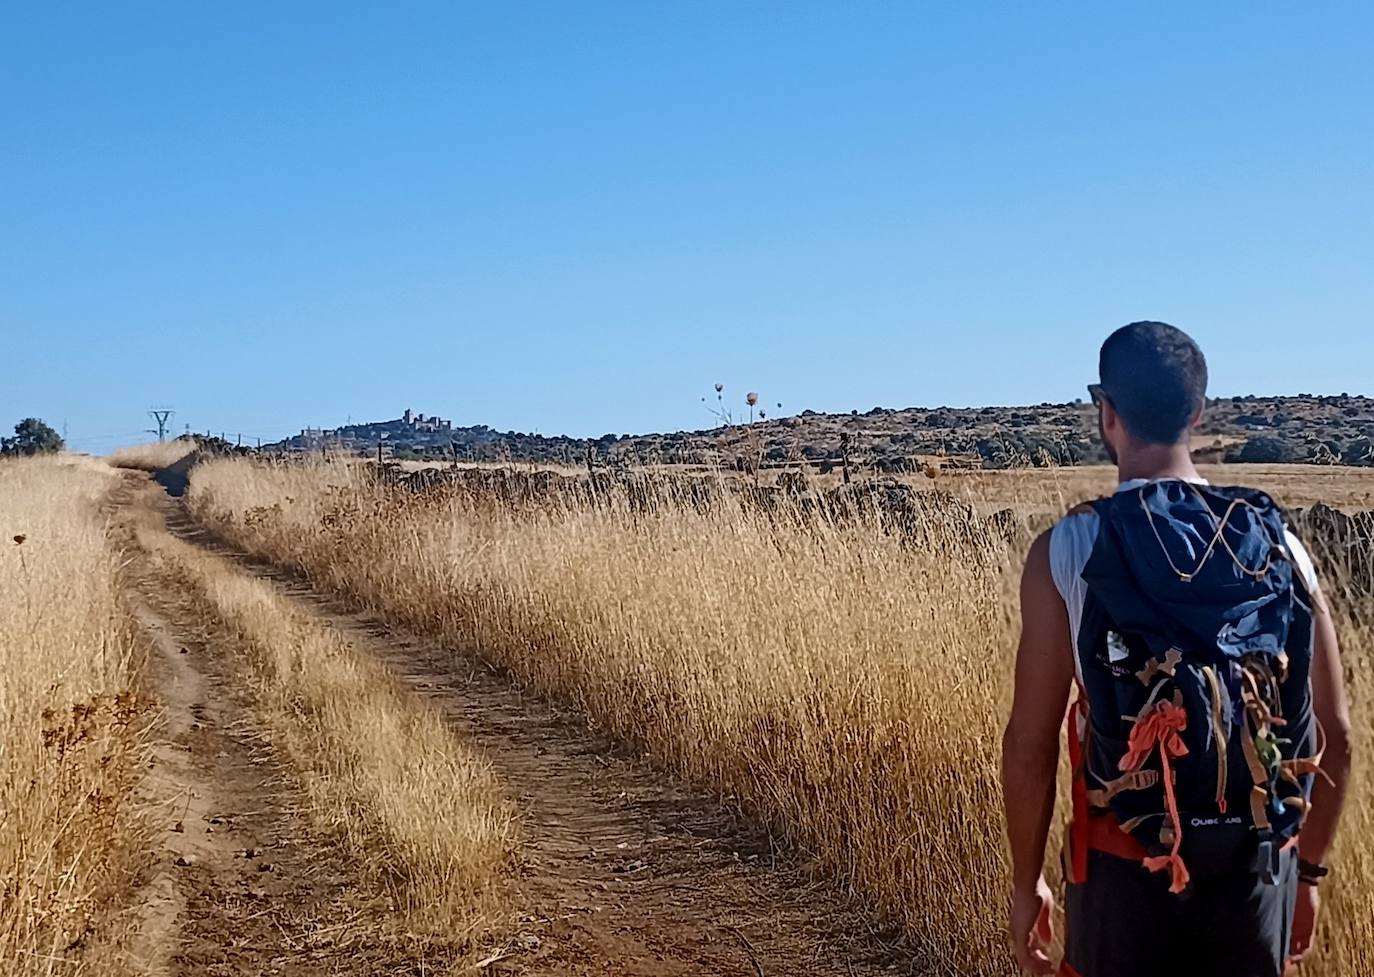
1077 848
1095 830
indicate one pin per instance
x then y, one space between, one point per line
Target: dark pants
1123 921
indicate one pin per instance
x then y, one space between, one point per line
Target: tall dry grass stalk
846 687
381 768
73 733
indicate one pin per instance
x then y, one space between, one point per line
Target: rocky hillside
1269 430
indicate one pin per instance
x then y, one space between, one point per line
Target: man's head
1154 383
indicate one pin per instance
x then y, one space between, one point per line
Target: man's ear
1197 417
1110 420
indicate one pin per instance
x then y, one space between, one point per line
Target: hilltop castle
419 422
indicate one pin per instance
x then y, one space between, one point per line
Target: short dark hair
1155 377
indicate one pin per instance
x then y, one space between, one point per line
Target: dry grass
72 731
1026 489
1057 489
845 687
382 770
153 456
541 466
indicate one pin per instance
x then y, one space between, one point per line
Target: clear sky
576 217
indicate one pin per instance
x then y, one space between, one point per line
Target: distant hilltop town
1324 430
429 437
411 430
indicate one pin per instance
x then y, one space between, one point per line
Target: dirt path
623 872
241 885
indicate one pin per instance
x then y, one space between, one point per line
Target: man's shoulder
1081 520
1301 558
1071 542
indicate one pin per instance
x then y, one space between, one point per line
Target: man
1190 621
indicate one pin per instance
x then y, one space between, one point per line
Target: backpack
1196 731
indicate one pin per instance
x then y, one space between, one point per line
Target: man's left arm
1030 752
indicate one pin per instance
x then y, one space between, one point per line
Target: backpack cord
1218 735
1218 536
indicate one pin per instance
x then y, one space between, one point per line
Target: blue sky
577 217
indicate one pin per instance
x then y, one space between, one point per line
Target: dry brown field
1045 489
1294 486
301 722
197 776
843 688
74 730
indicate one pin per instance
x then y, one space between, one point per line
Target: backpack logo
1216 822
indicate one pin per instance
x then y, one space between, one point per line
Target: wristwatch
1311 872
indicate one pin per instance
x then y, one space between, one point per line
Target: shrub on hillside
32 437
1266 450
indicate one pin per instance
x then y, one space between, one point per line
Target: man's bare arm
1030 749
1030 746
1329 705
1333 712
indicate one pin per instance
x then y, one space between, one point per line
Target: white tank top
1071 543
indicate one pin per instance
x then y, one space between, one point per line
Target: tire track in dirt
624 872
242 886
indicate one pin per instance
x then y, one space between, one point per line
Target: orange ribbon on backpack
1161 728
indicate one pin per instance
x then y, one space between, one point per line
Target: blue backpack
1194 652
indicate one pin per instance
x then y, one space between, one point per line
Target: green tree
31 437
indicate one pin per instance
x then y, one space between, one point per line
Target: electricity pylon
161 415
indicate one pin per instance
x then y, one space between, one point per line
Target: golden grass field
1055 489
88 802
74 730
1027 489
845 688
